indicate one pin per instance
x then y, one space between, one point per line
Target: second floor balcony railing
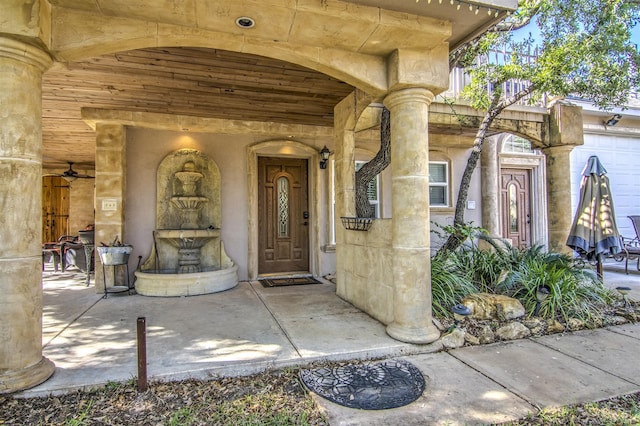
458 79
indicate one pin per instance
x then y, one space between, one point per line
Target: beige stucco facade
390 57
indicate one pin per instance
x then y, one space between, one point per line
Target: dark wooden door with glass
515 206
283 241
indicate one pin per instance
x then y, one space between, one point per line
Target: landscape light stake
460 312
624 291
142 354
542 292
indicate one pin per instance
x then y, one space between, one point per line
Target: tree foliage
586 50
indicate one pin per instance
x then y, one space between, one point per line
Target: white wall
621 157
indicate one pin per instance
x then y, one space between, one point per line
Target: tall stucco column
344 167
110 190
21 362
490 173
566 131
559 211
411 239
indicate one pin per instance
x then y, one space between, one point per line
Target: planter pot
114 255
357 223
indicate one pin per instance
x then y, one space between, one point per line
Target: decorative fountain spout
189 203
188 255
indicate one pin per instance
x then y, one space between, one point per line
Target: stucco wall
81 204
145 150
457 158
365 258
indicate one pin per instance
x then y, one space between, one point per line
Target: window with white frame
372 189
439 184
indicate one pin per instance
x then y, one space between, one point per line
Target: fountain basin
152 283
187 238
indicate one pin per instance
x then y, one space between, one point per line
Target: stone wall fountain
187 256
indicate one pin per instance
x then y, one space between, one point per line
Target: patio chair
51 251
74 254
631 246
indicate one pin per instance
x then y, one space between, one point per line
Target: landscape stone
471 339
575 324
532 323
512 331
454 339
487 335
493 306
554 326
438 324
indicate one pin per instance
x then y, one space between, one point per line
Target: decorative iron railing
458 79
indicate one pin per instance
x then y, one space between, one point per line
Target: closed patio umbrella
594 231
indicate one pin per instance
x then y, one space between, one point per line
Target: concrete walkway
250 328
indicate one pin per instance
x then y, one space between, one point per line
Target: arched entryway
522 188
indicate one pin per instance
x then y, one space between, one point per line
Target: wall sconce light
613 120
324 157
542 292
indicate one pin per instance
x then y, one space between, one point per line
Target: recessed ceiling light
245 22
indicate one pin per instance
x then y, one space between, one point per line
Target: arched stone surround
346 41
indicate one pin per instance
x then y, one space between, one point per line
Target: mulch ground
275 398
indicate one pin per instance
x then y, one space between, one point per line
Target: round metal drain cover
367 386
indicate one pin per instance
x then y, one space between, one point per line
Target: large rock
493 306
513 331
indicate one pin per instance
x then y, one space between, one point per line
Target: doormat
367 386
280 282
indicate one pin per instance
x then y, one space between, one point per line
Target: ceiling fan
70 175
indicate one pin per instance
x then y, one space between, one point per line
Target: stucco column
344 184
410 210
566 131
490 171
559 196
21 362
110 190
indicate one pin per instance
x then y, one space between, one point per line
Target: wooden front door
55 208
283 216
515 206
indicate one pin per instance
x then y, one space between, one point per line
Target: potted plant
114 253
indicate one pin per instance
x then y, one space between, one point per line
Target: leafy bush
448 287
574 291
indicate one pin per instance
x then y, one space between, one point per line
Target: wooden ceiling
188 81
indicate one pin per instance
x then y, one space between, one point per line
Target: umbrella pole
599 267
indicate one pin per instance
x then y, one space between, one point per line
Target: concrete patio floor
248 329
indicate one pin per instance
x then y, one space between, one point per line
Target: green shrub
448 287
575 292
